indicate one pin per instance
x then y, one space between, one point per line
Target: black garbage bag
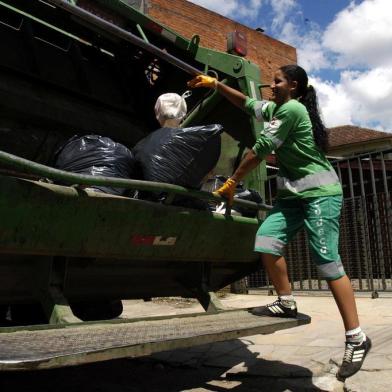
240 192
96 156
181 156
250 195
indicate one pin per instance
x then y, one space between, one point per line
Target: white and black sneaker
353 358
279 308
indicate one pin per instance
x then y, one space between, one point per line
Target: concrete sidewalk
300 359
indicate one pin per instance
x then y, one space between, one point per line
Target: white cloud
360 98
250 10
232 8
281 10
290 26
372 93
335 105
223 7
362 34
360 38
311 54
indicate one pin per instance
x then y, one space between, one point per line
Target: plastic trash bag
250 195
170 108
240 193
96 156
181 156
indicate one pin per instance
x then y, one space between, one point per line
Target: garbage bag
181 156
96 156
170 108
250 195
240 193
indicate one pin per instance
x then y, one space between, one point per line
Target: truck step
43 347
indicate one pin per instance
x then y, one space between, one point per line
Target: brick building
189 19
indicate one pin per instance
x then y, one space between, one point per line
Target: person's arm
236 97
227 190
253 107
270 139
250 162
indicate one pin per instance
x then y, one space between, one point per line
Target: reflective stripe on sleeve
271 243
331 270
310 181
258 108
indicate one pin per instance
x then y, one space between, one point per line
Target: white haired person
309 195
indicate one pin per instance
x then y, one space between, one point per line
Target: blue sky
346 47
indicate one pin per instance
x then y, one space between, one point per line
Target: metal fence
365 229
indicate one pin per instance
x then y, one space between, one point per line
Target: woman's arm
227 190
234 96
250 161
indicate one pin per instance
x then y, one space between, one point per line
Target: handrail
118 32
387 150
124 34
27 166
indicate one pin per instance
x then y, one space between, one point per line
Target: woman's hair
306 94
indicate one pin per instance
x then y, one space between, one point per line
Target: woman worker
309 195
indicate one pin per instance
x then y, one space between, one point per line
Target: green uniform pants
320 217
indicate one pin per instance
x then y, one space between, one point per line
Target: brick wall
188 19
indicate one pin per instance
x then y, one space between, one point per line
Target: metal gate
365 229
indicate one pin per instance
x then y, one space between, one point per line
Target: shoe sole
273 315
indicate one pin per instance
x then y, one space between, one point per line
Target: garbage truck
68 255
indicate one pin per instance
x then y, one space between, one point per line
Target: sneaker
276 309
353 358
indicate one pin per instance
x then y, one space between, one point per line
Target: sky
344 45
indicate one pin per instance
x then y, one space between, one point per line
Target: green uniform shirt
304 171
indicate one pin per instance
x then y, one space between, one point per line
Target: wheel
97 310
27 314
3 314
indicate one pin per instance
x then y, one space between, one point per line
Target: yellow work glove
203 81
227 191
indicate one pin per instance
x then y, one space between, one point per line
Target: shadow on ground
219 367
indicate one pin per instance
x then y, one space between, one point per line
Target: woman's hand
227 191
234 96
203 81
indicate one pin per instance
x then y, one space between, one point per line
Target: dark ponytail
306 94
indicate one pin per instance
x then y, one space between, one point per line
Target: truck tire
97 310
27 314
239 287
3 314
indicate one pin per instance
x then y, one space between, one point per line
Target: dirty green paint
49 219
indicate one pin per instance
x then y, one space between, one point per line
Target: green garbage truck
68 255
